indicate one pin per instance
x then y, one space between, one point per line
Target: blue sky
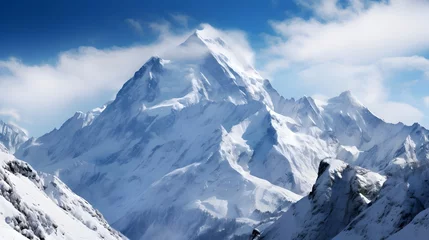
41 29
57 57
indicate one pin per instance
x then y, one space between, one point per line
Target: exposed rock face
34 206
400 211
340 193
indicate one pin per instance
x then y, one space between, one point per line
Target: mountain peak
219 44
309 103
154 63
205 35
207 68
347 95
11 136
207 32
13 127
346 98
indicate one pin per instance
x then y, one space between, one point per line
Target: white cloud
181 19
413 63
368 83
394 112
77 74
162 27
237 41
329 9
426 101
37 93
383 29
135 25
86 74
273 66
354 45
10 113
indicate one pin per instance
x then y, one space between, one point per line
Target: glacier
206 148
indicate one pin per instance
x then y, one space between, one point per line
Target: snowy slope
59 139
206 145
164 132
349 203
400 211
340 193
11 137
417 229
36 206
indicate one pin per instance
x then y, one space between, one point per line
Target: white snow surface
206 148
340 193
400 211
34 206
11 137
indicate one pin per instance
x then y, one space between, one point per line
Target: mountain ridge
40 206
216 143
11 137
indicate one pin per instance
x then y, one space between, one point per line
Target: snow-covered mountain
11 137
172 124
349 203
401 210
205 148
34 206
340 193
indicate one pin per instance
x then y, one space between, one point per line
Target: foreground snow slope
401 210
34 206
204 146
340 193
349 203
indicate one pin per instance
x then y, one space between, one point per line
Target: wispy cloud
10 113
237 40
367 82
85 75
78 77
135 25
162 27
353 45
181 19
426 101
363 35
331 10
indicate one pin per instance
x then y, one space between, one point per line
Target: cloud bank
358 45
77 80
83 78
355 45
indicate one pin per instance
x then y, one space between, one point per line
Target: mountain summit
204 148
